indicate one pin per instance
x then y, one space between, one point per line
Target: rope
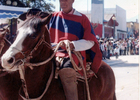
76 67
67 44
46 61
22 74
22 77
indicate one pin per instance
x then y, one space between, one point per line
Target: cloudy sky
131 6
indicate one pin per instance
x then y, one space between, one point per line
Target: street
126 70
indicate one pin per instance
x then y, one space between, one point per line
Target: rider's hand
63 45
72 46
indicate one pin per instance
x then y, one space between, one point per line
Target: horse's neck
44 51
37 78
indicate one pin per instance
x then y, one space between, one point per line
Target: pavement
122 59
126 70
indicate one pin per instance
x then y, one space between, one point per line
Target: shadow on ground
115 63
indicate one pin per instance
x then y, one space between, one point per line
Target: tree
40 4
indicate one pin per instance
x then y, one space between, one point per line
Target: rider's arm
82 45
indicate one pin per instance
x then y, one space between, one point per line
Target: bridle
25 62
30 65
30 55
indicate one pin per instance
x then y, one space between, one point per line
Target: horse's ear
43 14
33 11
2 32
30 12
46 19
22 16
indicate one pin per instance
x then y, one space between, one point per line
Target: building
114 23
133 29
119 14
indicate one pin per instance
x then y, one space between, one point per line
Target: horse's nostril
11 60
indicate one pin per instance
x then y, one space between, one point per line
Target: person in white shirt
72 27
117 51
103 50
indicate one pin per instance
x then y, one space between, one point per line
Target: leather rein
30 65
25 63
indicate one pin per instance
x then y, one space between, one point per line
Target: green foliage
40 4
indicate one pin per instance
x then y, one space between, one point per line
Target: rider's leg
69 80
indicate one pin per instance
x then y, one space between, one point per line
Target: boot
69 82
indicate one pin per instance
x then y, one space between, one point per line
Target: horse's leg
114 98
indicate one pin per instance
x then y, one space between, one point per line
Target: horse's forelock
34 22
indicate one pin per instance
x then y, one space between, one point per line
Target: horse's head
29 34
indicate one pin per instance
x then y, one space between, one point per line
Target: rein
22 70
24 86
51 76
24 63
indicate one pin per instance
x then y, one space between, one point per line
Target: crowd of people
112 47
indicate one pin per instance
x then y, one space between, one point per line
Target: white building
120 14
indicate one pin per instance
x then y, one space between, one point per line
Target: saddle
81 78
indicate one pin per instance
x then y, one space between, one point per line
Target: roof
112 22
107 17
11 12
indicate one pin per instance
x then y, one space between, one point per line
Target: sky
131 6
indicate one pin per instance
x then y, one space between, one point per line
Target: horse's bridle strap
75 66
25 87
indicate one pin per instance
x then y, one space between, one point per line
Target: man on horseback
71 25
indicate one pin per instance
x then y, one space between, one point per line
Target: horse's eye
33 36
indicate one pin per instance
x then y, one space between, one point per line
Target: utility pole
103 33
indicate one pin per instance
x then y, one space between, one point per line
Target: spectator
125 47
103 50
108 49
122 48
116 52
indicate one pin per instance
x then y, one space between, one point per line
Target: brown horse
32 45
4 43
9 81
